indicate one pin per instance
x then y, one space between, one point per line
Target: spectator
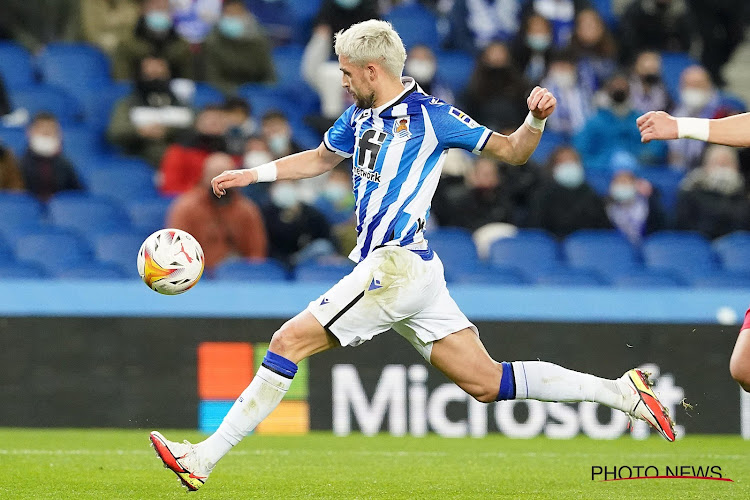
660 25
532 47
10 176
476 23
721 29
595 49
699 99
632 207
422 66
237 50
256 153
574 102
154 35
194 19
44 168
561 14
278 18
240 125
182 165
712 198
278 134
296 231
230 226
336 203
105 23
565 203
337 15
647 90
35 23
496 93
612 132
145 122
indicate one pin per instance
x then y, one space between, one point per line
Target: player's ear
371 72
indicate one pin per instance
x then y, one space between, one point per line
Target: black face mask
152 86
499 73
651 78
211 143
618 96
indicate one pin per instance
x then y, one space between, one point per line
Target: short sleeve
340 137
456 129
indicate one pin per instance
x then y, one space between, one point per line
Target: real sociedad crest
401 127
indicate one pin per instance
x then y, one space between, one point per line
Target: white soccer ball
170 261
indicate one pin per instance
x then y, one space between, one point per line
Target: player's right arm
730 131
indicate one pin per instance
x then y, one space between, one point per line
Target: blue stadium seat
666 181
528 251
722 279
98 103
206 94
686 253
645 279
14 139
287 61
57 101
329 273
604 8
550 141
16 66
454 246
601 250
485 275
119 248
672 65
82 143
571 277
149 215
734 251
123 183
21 270
415 24
454 68
6 252
87 214
18 209
52 249
303 13
599 180
250 270
91 271
264 98
74 66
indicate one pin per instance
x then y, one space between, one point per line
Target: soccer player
729 131
398 138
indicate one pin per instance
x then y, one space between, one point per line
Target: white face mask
421 70
622 193
569 174
255 158
44 145
278 143
336 192
284 195
565 79
695 99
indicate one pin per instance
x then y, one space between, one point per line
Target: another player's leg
298 338
739 364
463 358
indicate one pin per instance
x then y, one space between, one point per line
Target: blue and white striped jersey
398 151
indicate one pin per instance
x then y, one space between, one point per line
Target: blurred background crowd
115 115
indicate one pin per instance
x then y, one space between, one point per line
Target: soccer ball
170 261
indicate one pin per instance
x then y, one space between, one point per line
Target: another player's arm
730 131
297 166
517 147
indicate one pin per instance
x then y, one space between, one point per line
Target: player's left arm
517 147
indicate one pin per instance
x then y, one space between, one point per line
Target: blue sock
507 383
279 364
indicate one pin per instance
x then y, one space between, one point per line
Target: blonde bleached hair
372 41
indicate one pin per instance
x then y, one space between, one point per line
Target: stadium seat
18 209
601 250
21 270
81 142
599 180
722 279
666 181
264 98
119 248
303 13
454 246
571 277
206 94
287 61
73 66
550 141
6 252
52 249
485 275
149 215
528 251
91 271
685 252
330 273
123 183
672 65
87 214
16 66
57 101
645 279
415 24
250 270
14 139
734 251
454 68
98 103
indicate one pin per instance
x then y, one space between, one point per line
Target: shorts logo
374 285
324 301
401 128
463 117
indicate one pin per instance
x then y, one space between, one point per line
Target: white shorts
392 288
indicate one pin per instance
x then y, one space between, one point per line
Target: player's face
355 80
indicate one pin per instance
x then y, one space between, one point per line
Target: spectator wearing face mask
533 46
105 23
496 93
278 133
476 23
241 125
336 203
561 15
237 50
659 25
230 226
712 198
595 48
182 165
698 99
632 207
422 66
564 202
44 168
296 230
256 153
647 90
193 19
573 101
154 35
611 132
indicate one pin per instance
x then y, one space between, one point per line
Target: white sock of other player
549 382
256 402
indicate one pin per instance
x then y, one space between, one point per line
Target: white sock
255 403
549 382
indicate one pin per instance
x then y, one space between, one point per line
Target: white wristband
535 122
266 172
692 128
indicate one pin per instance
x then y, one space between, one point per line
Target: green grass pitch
108 464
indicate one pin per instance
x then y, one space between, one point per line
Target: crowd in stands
130 107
